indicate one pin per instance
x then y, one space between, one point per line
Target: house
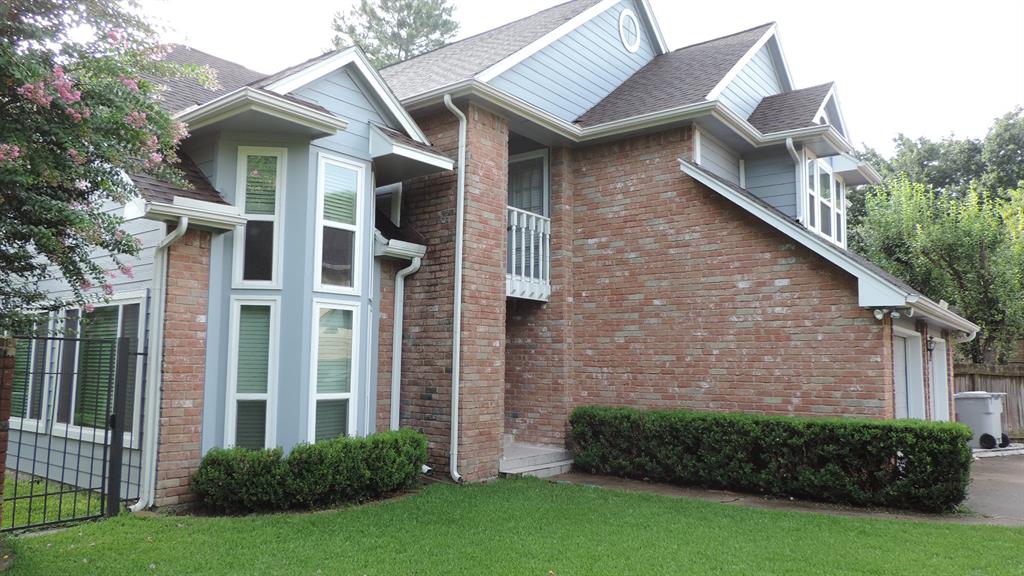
604 220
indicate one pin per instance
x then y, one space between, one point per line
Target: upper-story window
339 183
260 190
629 30
825 196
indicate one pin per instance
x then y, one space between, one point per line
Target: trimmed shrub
313 475
895 463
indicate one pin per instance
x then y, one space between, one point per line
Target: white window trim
270 396
624 16
813 206
277 218
353 390
937 357
357 245
87 433
542 153
915 373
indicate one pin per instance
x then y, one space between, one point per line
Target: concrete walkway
997 489
996 496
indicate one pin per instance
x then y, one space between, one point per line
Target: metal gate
73 436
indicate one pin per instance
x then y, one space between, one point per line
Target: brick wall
386 308
184 354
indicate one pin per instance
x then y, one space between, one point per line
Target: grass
524 526
55 507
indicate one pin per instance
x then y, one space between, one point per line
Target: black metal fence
74 448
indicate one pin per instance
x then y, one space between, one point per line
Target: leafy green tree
76 117
966 249
390 31
1003 152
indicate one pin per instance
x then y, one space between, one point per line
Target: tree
390 31
76 117
967 249
1003 152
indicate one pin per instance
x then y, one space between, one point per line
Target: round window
629 30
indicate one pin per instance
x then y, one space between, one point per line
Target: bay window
260 188
252 373
825 200
339 184
332 401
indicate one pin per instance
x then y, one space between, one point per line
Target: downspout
396 339
453 453
155 364
798 170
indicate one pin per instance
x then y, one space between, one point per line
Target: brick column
7 349
184 364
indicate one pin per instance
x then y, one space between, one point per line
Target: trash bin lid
973 394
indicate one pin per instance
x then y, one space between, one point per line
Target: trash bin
982 412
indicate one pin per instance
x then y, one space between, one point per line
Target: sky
914 67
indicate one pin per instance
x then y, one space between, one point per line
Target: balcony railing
529 255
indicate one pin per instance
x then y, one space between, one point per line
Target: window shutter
96 367
340 193
253 349
260 184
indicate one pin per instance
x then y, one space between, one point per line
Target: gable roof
182 93
464 59
679 78
876 287
789 110
156 190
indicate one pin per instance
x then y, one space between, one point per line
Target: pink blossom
75 115
152 144
76 157
64 87
127 271
88 308
136 119
155 158
179 131
8 152
160 52
82 185
116 36
36 93
108 289
85 285
86 112
131 83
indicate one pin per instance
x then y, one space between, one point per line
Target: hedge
896 463
237 480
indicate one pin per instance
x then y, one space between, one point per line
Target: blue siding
719 158
757 79
772 178
577 71
343 94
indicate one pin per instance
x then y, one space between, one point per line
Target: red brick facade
184 354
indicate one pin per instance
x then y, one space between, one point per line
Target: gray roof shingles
466 58
678 78
789 110
181 93
156 190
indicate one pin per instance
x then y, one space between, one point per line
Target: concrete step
545 470
525 455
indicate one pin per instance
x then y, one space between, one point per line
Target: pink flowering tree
79 111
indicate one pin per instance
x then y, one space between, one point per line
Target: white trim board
352 55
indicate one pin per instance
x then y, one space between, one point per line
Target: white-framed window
824 200
940 380
250 420
83 396
908 373
33 373
335 350
259 192
529 181
338 224
629 30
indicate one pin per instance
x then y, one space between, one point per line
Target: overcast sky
921 68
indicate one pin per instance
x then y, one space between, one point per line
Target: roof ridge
765 25
288 70
481 33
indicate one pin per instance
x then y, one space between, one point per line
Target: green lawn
52 508
524 527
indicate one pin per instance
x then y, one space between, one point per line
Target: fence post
116 425
7 352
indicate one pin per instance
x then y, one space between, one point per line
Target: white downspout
396 339
154 374
800 182
453 453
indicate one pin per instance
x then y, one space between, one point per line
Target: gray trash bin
982 412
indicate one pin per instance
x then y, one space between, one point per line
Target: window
260 189
339 184
528 182
332 402
28 390
629 31
825 200
252 373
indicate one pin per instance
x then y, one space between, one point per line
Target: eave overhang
317 123
395 160
209 215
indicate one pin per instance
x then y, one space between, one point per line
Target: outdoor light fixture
895 315
931 343
880 313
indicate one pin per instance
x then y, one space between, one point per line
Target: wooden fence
1007 378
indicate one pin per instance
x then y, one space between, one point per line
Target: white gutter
396 339
147 482
246 98
453 453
